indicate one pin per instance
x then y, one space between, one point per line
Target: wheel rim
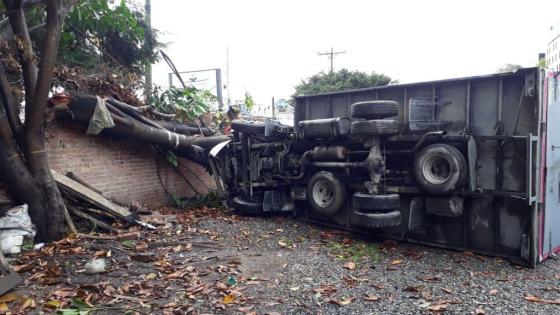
323 194
437 170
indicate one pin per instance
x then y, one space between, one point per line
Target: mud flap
417 215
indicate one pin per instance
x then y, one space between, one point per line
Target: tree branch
14 9
6 32
10 106
35 110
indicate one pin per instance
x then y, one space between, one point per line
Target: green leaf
129 243
172 158
79 304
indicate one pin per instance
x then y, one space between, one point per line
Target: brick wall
120 167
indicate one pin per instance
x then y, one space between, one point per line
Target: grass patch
355 251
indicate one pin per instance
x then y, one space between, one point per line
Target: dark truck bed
497 118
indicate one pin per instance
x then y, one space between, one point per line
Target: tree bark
136 112
35 149
10 106
14 10
21 185
184 129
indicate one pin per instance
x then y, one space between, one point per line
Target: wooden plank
82 192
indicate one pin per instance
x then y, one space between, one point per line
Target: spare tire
325 193
248 127
376 203
377 219
440 169
375 127
374 109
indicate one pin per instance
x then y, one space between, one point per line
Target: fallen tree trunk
183 129
81 108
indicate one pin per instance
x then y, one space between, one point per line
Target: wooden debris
128 236
97 237
69 221
93 220
81 192
80 180
9 278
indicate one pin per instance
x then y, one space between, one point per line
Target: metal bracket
371 187
531 165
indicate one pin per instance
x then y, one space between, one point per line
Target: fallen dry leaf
536 299
9 297
27 303
53 304
396 262
345 301
372 297
230 298
328 289
350 265
437 307
245 309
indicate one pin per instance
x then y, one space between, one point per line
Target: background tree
341 80
103 48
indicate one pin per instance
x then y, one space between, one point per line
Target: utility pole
273 109
148 42
227 77
331 54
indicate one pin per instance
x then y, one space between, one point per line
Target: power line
331 54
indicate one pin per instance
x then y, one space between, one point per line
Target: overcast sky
274 44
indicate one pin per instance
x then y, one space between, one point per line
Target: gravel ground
401 279
216 263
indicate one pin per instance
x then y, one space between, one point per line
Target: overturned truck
466 164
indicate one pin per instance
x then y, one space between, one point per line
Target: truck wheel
245 205
377 219
375 127
325 193
376 203
374 109
248 127
440 169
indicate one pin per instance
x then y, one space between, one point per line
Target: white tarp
14 226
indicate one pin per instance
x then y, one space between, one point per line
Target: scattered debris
15 224
350 265
95 266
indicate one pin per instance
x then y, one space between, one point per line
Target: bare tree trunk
35 150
